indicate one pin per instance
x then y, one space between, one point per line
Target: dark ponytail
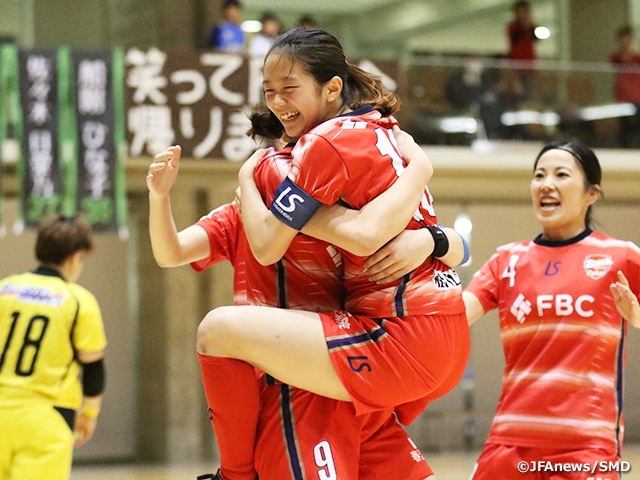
365 88
265 124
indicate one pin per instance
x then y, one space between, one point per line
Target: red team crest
596 266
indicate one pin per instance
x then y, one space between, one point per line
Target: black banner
96 147
41 177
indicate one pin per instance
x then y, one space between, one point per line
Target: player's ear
332 89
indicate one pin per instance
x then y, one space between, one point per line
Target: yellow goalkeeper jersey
44 320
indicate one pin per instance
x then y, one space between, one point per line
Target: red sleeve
318 168
484 284
223 226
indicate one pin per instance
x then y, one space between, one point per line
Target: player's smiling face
296 98
560 198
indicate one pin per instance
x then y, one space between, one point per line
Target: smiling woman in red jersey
565 299
396 346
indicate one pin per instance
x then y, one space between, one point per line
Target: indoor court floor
447 466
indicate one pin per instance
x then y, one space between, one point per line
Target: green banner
3 136
67 138
10 120
120 143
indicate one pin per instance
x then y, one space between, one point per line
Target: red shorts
506 462
408 361
305 436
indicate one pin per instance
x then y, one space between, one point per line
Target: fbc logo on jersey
562 305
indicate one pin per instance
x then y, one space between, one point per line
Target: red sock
233 397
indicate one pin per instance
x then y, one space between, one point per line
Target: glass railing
458 101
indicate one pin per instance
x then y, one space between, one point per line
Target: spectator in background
306 21
627 86
261 42
522 42
464 86
500 93
228 37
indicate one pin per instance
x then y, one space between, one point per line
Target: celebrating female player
399 345
563 299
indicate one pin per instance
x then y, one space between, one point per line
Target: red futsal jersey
353 159
311 263
563 340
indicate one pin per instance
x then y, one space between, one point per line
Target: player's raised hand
625 300
163 171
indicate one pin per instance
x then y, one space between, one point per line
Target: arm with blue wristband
411 248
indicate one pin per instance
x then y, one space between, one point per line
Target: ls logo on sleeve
292 205
291 197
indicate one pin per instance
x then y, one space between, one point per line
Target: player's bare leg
288 344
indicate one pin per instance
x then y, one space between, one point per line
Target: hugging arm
364 231
409 250
361 232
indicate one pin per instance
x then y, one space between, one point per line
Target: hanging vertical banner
3 135
120 143
98 159
10 116
67 135
42 182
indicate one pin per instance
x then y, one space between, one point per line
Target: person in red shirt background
565 300
627 86
522 39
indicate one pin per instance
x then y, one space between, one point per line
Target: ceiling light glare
251 26
542 33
